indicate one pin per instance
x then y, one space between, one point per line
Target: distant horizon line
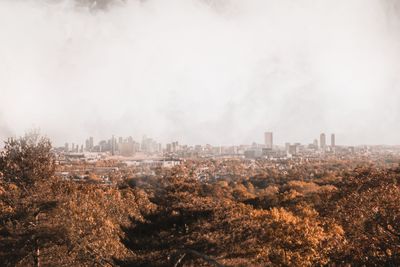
278 144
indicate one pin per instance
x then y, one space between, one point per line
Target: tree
367 206
46 221
192 226
27 171
27 161
92 215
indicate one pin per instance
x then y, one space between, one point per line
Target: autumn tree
192 226
91 215
27 170
367 206
46 221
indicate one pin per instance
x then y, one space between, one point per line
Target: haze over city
219 72
199 133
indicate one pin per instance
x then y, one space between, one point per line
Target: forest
335 214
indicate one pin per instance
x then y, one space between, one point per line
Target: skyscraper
87 145
268 140
322 140
333 140
91 145
113 145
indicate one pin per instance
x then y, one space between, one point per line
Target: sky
201 71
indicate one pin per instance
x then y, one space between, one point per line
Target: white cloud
202 71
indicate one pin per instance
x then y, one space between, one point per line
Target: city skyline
118 147
278 139
268 142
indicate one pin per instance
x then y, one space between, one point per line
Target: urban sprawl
118 158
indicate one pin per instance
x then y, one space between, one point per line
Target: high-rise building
104 145
333 140
268 140
322 140
66 147
287 147
315 143
149 145
175 146
169 148
293 149
113 145
126 149
87 145
91 145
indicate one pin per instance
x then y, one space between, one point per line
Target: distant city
150 148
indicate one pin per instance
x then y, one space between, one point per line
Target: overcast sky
216 71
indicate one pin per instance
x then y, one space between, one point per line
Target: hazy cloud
215 71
